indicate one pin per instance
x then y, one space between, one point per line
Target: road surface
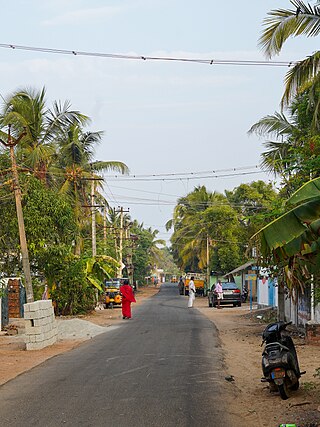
161 368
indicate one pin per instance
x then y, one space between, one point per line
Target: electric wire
230 175
155 175
208 61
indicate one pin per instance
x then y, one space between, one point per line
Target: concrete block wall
40 324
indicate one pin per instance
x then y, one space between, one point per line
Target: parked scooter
279 360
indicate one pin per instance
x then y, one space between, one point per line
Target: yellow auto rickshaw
112 293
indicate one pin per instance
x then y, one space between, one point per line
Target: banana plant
292 241
100 268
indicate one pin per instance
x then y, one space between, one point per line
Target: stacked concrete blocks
40 324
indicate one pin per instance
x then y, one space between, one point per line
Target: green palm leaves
281 24
292 240
204 222
57 149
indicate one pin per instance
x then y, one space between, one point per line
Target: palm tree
281 24
77 168
292 142
277 157
26 110
292 241
154 250
191 227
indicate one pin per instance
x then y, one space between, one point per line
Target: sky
158 117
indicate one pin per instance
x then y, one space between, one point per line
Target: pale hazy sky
158 117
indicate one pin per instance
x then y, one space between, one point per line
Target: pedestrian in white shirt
219 292
192 292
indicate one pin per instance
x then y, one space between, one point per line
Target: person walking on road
219 292
181 286
192 292
127 298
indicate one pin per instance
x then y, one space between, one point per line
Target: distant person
181 286
192 292
219 292
127 298
45 294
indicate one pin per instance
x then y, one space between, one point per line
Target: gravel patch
79 329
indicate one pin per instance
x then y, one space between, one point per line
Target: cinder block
33 330
28 315
40 338
39 322
26 307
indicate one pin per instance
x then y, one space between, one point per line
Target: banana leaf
290 231
95 283
309 191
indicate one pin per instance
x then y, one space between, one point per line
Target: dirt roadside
251 402
240 333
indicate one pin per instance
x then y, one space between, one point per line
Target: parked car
231 295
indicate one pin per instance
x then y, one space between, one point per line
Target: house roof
241 268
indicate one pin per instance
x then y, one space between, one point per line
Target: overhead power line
168 174
228 175
208 61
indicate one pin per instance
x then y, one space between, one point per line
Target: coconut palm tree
277 158
26 110
76 169
292 143
281 24
193 226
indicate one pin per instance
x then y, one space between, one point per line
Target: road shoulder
15 359
240 333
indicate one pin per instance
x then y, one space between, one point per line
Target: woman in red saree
127 298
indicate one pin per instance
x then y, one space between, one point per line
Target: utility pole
93 220
93 207
105 226
121 211
208 266
17 194
129 259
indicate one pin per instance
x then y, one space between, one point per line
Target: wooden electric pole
17 194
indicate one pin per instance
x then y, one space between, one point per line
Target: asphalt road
161 368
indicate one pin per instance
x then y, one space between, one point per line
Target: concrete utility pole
208 266
17 194
105 226
93 207
121 211
93 220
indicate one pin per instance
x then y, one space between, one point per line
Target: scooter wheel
295 386
284 390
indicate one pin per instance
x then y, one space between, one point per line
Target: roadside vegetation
56 166
279 227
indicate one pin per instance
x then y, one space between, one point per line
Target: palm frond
274 125
109 166
304 72
274 160
284 23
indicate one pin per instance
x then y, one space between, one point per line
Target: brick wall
40 324
313 334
